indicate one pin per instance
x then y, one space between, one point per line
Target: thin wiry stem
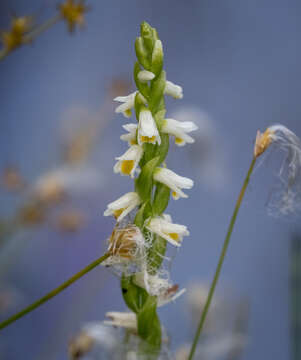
28 38
221 260
54 292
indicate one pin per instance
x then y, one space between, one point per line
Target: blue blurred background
238 63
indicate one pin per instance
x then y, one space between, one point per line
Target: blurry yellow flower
12 180
70 220
31 214
73 12
14 37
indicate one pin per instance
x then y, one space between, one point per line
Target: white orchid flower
123 206
147 128
173 181
180 130
128 162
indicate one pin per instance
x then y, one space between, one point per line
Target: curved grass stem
54 292
221 260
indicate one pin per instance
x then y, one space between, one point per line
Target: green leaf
157 58
159 117
157 92
139 104
161 199
149 327
134 296
144 182
142 54
162 150
147 34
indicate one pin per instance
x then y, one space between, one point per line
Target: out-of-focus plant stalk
221 259
54 292
28 38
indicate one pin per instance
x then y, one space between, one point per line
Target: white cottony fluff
158 286
286 199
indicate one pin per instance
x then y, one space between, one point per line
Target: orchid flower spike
123 206
128 162
173 181
179 130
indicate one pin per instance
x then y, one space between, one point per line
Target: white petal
145 75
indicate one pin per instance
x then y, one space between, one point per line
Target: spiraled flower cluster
137 247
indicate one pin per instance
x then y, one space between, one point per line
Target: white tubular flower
173 181
147 128
169 231
145 75
130 137
128 103
123 206
125 320
173 90
179 130
128 162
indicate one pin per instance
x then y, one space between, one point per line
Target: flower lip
147 128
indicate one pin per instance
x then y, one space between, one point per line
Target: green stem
221 260
28 38
54 292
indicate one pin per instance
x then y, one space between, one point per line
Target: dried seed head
286 197
262 142
125 243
